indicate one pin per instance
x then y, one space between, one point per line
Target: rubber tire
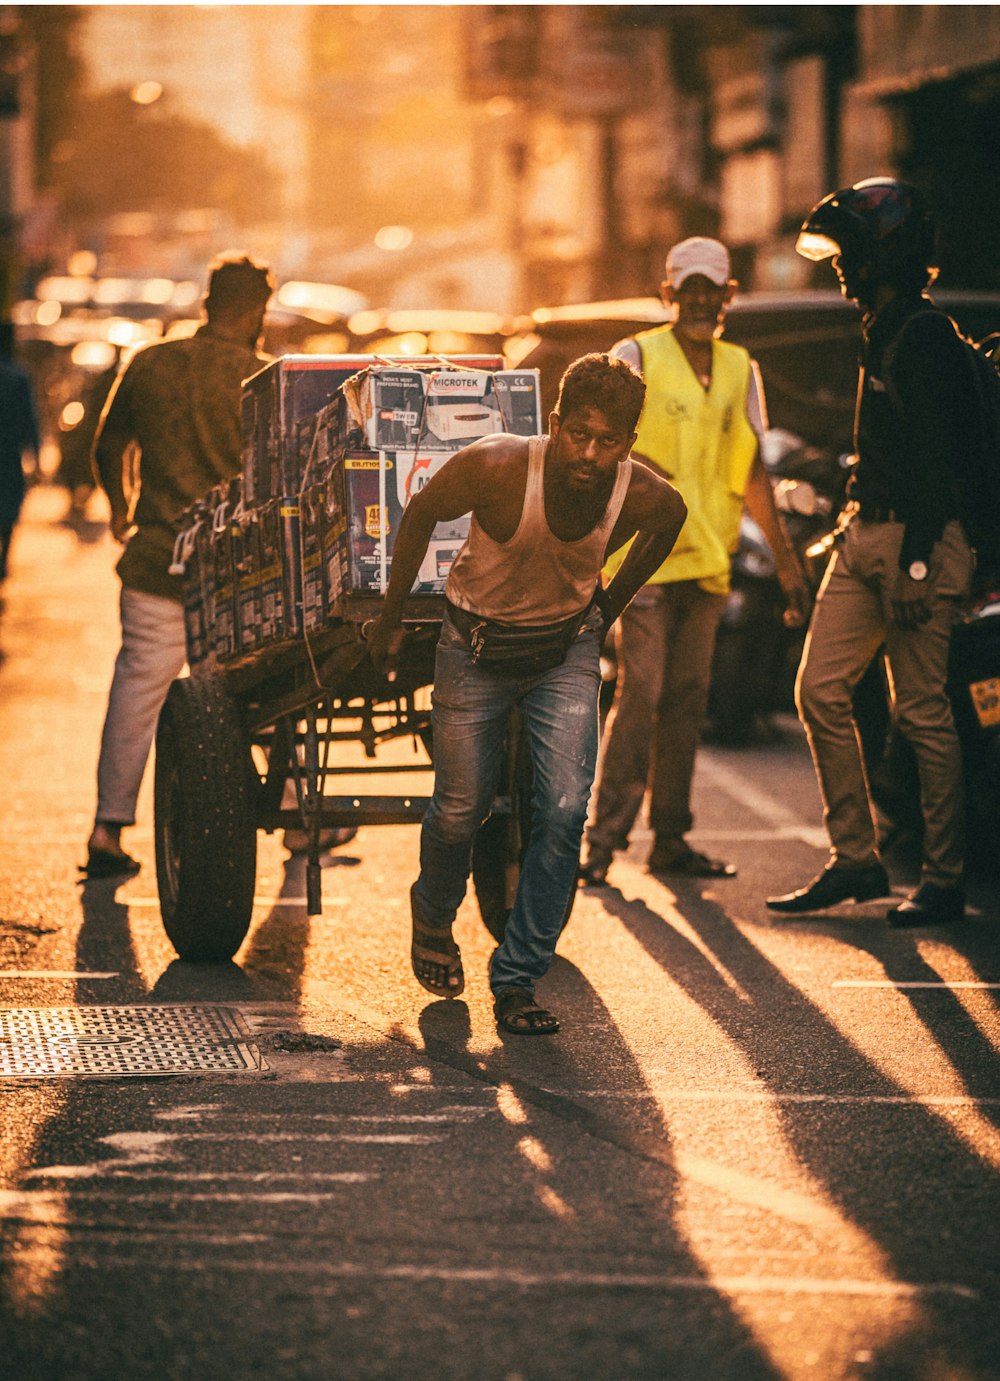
206 836
498 850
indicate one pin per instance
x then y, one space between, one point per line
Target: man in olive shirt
170 430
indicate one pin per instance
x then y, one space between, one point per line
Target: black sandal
518 1014
434 956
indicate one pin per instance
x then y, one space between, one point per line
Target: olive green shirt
178 401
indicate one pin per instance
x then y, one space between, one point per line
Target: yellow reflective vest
703 442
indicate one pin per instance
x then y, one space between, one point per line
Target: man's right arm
655 511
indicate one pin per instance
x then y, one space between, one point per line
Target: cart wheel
499 846
206 839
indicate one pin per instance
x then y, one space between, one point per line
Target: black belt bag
516 649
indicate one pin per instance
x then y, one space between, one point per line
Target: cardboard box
278 408
186 564
518 394
391 409
365 494
387 407
245 542
225 628
280 570
275 402
311 529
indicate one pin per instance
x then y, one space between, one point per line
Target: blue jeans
559 715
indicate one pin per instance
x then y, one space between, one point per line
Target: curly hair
235 283
606 383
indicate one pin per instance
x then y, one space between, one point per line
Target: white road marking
447 1115
389 1138
740 788
53 973
257 901
890 983
546 1279
99 1171
16 1203
668 1095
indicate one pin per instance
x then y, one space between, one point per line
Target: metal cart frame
232 737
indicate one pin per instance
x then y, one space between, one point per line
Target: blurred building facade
626 127
503 156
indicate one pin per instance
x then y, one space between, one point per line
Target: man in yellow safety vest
701 426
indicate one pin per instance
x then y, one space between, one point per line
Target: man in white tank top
546 514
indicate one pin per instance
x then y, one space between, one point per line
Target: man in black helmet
902 564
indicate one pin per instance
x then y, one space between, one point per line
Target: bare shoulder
491 458
501 450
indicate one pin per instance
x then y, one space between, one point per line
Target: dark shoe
680 860
105 863
929 905
518 1014
836 883
594 873
434 956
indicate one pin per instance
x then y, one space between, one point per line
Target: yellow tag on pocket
986 699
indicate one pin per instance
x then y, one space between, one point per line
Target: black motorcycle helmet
881 224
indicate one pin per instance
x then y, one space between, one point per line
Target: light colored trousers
152 655
851 620
666 641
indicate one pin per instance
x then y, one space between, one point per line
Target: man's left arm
759 499
655 512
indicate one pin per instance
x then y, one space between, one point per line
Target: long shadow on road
916 1188
539 1239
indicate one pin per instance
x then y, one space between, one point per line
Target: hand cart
235 742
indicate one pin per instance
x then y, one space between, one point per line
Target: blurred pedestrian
546 511
18 433
701 428
902 564
170 430
76 473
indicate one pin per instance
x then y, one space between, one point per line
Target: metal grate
52 1042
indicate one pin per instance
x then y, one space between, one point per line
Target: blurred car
412 331
65 356
806 344
310 318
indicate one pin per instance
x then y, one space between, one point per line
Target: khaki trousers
851 620
666 641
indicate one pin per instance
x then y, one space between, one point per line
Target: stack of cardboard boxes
334 447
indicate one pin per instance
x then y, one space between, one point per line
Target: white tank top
534 578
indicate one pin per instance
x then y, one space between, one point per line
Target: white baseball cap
698 255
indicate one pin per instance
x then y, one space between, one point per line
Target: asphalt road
757 1148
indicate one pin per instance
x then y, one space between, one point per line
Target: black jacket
916 408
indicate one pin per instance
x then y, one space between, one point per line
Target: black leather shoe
929 905
836 883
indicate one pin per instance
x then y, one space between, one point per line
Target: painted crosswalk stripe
54 973
906 983
521 1278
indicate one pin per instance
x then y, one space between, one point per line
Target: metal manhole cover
48 1042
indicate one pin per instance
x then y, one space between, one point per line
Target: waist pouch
516 649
